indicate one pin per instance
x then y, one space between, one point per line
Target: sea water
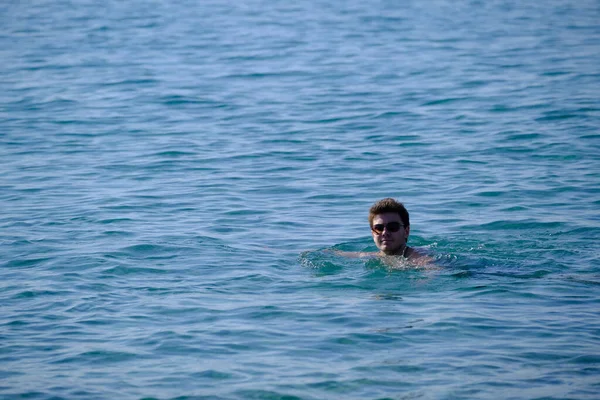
175 177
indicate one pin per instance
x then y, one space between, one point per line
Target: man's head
390 225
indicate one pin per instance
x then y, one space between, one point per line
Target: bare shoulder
419 257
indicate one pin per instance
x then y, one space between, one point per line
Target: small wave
123 271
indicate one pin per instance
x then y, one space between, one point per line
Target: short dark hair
389 205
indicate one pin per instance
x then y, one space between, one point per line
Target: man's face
387 241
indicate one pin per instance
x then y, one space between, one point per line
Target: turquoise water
173 175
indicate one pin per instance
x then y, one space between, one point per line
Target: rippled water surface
175 174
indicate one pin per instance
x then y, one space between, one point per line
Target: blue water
174 174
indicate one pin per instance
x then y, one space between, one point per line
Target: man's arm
352 254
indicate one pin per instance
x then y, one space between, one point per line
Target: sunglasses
393 227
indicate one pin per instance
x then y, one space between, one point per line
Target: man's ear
407 230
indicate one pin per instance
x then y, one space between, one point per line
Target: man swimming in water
390 227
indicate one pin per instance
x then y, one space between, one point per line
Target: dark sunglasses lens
378 228
393 226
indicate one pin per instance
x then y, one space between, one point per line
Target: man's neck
400 252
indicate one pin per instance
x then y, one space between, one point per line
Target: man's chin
387 249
